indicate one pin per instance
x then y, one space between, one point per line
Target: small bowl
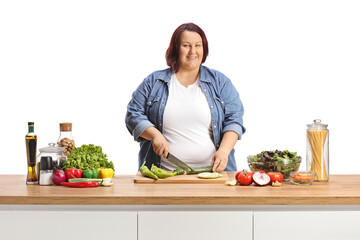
285 168
302 177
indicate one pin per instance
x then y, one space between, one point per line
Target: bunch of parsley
87 157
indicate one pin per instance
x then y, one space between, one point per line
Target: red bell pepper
73 173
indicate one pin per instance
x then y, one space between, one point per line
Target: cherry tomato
275 176
244 177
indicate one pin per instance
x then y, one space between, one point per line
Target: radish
261 178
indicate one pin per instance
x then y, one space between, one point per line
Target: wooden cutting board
181 179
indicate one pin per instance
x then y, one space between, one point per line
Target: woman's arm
220 158
160 145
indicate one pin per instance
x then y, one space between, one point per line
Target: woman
188 109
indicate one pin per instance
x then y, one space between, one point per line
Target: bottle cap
65 127
46 163
30 124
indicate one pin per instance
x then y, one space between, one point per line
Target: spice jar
46 171
317 150
56 153
66 139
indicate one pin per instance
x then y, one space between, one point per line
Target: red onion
58 177
261 178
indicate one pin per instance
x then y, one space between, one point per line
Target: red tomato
237 176
275 176
244 177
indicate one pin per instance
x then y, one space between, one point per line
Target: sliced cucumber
209 175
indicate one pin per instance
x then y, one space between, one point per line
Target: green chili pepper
144 170
90 173
161 173
179 171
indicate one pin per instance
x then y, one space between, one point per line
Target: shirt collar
166 75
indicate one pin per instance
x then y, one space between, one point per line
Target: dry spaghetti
317 141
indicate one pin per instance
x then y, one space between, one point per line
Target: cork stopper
65 127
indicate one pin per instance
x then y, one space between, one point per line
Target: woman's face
191 51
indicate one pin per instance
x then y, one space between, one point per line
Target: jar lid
52 149
317 125
65 127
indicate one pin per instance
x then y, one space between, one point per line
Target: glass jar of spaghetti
317 150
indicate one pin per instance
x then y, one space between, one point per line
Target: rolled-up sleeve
234 110
136 120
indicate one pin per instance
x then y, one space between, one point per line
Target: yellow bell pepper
105 173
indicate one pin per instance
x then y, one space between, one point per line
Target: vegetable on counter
275 177
80 184
275 161
161 173
93 173
260 178
244 177
145 171
73 180
102 182
105 173
58 177
88 157
73 173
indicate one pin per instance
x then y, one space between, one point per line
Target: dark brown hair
172 53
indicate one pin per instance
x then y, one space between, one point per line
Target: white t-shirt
187 125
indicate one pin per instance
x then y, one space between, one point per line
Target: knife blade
171 158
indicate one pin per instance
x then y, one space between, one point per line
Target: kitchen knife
171 158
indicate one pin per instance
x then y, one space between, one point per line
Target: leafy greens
87 157
275 161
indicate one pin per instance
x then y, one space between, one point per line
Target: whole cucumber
197 170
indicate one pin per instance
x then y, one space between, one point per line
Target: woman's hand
219 160
160 146
159 143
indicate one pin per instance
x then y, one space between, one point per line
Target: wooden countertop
340 190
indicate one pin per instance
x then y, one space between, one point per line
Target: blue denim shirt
146 109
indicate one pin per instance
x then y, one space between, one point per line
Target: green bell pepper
90 173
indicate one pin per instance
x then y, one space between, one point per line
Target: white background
79 61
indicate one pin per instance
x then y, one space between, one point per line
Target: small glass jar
302 178
46 172
66 139
317 150
56 153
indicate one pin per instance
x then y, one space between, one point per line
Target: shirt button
222 102
211 106
160 124
214 126
204 90
149 102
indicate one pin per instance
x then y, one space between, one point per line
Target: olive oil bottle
31 143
